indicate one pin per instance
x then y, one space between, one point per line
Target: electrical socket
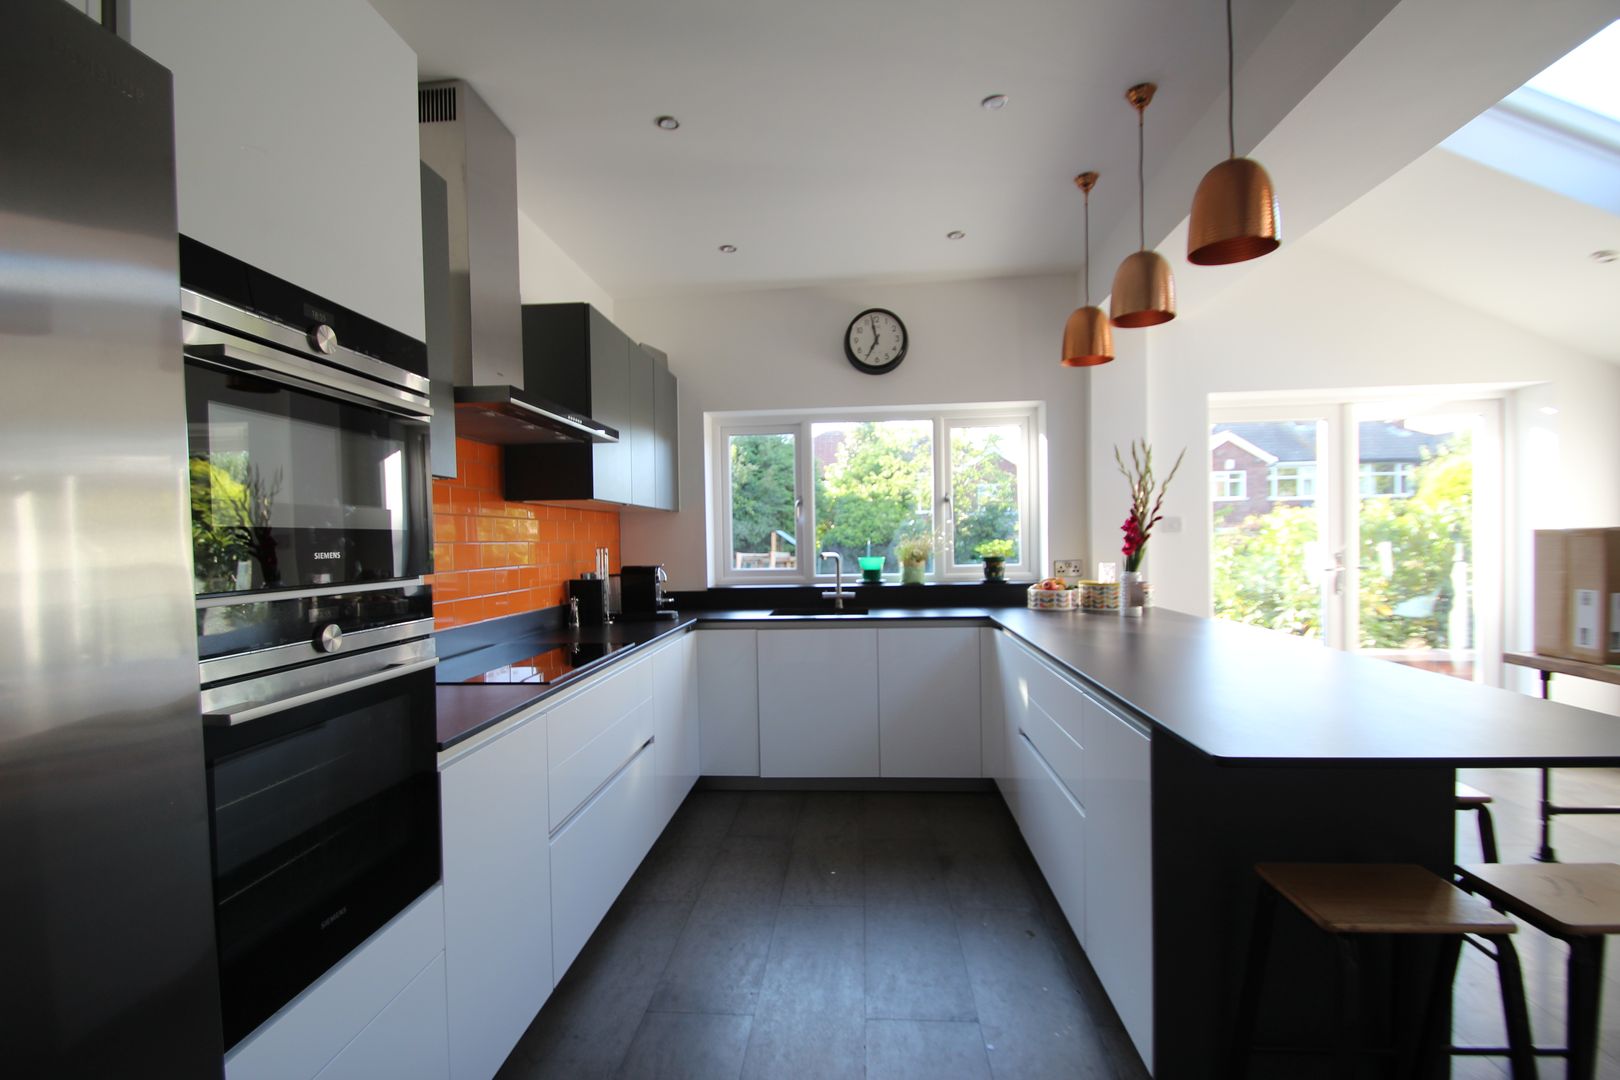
1068 567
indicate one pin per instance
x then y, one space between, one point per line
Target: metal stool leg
1487 834
1521 1050
1433 1039
1546 853
1585 998
1349 1041
1265 910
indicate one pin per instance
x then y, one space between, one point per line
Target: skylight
1588 76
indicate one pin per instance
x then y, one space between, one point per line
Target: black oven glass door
291 489
325 824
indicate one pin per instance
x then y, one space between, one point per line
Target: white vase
1133 594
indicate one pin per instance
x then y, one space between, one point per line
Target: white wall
989 340
546 275
296 143
1309 319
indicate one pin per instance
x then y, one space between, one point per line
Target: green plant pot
913 573
995 569
871 569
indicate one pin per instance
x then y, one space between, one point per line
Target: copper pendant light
1144 291
1234 212
1087 338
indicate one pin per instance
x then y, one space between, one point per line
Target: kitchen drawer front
595 707
593 855
1054 826
1063 755
407 1040
1064 702
313 1028
615 737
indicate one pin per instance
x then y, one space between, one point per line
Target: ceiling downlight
667 123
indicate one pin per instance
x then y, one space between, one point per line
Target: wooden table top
1609 673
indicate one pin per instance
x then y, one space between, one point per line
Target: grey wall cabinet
575 357
666 482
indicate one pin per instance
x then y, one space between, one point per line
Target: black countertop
1237 693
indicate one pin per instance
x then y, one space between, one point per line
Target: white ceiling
1493 242
829 140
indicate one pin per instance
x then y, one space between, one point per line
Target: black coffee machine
641 592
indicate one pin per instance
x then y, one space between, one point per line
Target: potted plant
1147 499
995 554
913 553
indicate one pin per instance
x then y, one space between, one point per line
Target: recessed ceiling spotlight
955 234
728 249
1605 255
668 123
1549 410
994 102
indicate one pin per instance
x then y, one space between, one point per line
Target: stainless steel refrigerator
107 964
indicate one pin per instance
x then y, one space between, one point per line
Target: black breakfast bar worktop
1238 694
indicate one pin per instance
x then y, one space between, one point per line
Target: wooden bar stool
1578 903
1351 901
1471 798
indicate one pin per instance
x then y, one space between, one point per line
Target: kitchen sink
824 609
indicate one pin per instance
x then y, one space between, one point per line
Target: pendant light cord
1231 137
1141 188
1088 248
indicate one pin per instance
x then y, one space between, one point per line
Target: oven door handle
258 709
304 374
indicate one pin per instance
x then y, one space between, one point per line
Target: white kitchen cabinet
1054 826
407 1041
728 702
497 895
675 724
595 730
1119 867
992 709
818 702
312 1030
928 701
296 144
596 851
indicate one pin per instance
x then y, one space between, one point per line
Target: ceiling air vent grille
436 104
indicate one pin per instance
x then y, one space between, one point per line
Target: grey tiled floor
828 935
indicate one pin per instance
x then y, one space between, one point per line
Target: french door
1372 525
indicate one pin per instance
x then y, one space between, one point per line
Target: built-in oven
311 515
324 802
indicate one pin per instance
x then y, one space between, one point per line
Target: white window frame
1402 472
1219 477
945 418
1272 478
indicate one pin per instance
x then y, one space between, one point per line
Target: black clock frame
879 369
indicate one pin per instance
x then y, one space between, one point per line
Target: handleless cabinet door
497 896
666 442
818 702
642 433
928 701
676 725
1119 868
610 404
728 702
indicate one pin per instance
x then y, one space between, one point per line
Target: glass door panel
1416 602
1270 489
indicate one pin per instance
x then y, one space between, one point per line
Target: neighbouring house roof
1295 440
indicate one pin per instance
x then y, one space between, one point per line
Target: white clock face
876 338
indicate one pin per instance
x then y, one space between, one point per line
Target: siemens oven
311 511
323 795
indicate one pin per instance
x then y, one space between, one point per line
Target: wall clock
875 341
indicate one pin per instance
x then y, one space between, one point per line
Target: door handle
258 709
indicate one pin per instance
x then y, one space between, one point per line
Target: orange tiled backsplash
492 557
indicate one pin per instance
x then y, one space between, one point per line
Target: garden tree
985 493
761 490
1260 574
877 490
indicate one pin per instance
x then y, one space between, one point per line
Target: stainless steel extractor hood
465 143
